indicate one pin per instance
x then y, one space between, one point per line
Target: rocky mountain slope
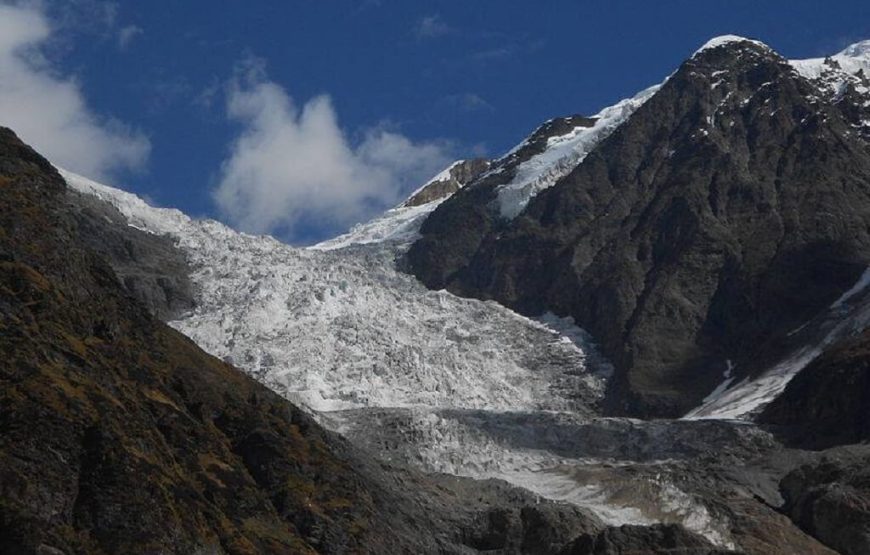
828 498
119 435
726 211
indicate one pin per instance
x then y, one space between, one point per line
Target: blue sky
234 111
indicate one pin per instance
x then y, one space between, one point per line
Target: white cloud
432 26
468 102
49 111
294 170
127 34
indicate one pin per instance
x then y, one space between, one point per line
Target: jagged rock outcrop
728 210
830 499
449 181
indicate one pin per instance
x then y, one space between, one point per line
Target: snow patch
750 395
562 154
861 285
400 225
849 314
722 387
566 330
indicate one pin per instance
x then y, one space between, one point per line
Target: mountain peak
838 74
725 40
610 240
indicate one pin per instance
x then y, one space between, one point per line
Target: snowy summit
724 40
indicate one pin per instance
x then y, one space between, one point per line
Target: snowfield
849 67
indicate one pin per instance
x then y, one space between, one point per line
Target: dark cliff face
732 207
149 266
828 402
829 499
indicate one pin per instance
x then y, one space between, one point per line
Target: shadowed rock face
731 207
627 540
830 499
149 266
826 404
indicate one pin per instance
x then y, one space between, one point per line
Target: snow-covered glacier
400 369
338 329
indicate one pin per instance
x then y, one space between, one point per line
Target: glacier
368 350
342 328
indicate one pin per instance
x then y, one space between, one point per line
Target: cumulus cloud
49 111
293 171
